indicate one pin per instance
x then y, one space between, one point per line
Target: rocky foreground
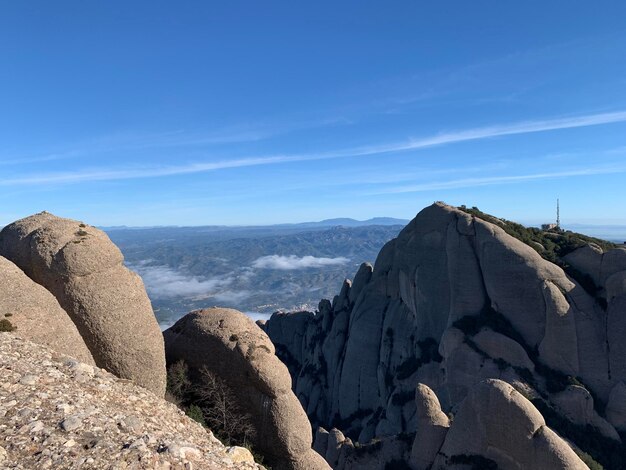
58 413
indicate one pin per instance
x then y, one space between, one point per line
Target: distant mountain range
337 222
255 269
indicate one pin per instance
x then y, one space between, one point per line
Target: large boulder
233 347
107 302
432 426
496 422
34 314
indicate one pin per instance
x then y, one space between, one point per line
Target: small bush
589 460
178 382
82 233
6 326
195 413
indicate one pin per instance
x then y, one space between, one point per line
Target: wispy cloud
292 262
473 134
496 180
163 282
39 159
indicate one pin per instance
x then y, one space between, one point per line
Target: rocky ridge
452 301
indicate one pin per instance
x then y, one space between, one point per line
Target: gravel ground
58 413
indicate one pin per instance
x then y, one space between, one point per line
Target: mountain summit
456 299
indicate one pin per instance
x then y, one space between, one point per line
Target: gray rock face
452 301
432 427
576 404
616 407
107 302
36 315
498 423
233 347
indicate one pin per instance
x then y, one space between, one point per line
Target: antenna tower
558 215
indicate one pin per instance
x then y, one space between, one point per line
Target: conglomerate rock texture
107 302
230 345
450 302
59 413
33 312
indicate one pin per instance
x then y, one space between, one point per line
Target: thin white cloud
294 262
495 180
163 282
524 127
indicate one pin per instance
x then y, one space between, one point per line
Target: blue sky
194 113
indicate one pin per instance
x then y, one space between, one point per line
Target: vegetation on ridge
555 243
552 245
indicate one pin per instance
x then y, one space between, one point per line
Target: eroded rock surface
497 423
36 315
107 302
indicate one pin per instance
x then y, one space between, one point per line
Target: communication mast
558 215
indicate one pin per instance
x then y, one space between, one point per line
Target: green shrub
556 245
589 460
6 326
195 413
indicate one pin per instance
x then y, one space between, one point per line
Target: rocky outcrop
56 412
33 313
107 302
432 426
497 424
450 302
232 346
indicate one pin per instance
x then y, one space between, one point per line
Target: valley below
257 270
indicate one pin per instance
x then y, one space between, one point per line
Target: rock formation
432 426
455 300
107 302
232 346
34 314
56 412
